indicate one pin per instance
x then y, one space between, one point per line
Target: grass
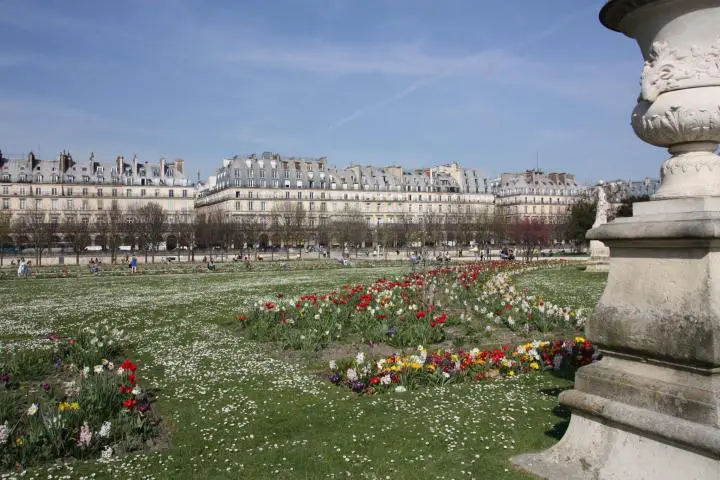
565 286
238 409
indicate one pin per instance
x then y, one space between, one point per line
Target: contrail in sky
562 22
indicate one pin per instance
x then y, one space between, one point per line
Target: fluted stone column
650 409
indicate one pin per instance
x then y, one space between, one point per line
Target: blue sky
490 84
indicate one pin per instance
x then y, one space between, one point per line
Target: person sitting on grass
211 265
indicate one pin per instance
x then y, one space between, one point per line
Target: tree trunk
77 258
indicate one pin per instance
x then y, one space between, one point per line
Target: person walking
133 264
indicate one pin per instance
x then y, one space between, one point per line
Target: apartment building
261 185
535 195
89 188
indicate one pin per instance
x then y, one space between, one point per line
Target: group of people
24 269
94 266
132 263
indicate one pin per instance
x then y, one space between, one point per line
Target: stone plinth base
650 409
592 450
597 266
636 420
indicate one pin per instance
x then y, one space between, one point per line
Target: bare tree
153 224
289 221
33 223
226 228
204 230
186 236
77 231
5 229
250 229
111 226
385 236
351 229
531 234
433 229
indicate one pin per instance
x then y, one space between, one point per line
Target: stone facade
258 185
90 188
535 195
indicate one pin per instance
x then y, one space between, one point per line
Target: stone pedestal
599 257
650 409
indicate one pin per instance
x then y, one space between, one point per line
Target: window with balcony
6 204
53 204
85 192
128 192
22 204
184 193
69 203
171 193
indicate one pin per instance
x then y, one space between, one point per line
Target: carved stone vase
650 409
679 105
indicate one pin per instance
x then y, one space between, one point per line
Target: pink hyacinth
85 435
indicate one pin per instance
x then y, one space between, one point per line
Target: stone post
650 409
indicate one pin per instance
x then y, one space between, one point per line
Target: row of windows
69 191
534 200
251 183
262 206
345 196
68 204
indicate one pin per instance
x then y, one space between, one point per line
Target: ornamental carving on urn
679 103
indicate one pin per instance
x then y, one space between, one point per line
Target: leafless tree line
288 224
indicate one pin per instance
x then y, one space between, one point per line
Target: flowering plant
448 366
74 410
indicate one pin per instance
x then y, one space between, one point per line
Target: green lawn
567 286
236 409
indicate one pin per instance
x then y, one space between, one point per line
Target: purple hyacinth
46 387
357 386
335 378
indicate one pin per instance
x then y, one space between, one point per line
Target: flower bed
77 398
402 372
406 311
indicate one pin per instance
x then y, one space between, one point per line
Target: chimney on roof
135 165
162 167
180 166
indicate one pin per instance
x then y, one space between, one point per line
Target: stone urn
679 104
